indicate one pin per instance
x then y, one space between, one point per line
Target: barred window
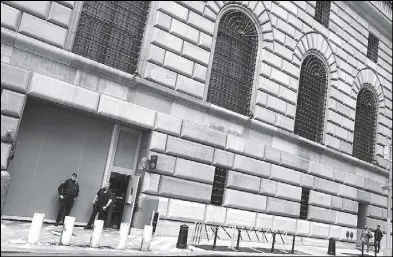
220 177
232 72
111 32
365 125
310 111
322 12
372 48
304 203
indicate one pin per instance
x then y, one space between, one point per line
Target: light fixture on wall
147 163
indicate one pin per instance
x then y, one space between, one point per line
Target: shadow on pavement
249 250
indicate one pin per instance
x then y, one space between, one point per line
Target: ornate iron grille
365 123
111 32
322 12
220 177
232 73
304 203
372 48
310 111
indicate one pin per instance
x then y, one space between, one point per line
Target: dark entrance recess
119 184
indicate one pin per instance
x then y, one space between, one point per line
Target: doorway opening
362 215
119 184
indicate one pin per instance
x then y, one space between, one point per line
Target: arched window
310 111
365 121
232 72
111 32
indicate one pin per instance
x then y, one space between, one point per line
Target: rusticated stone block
223 158
379 200
320 199
215 215
235 144
285 175
158 142
302 227
293 162
350 206
326 186
14 78
9 18
167 124
337 203
243 182
254 150
307 181
334 232
321 214
264 221
268 187
373 186
346 219
150 183
184 189
9 123
373 223
284 224
202 134
374 212
165 164
240 218
244 200
251 166
288 192
364 196
189 150
5 152
194 171
185 210
347 191
12 103
321 170
282 207
319 230
354 180
272 155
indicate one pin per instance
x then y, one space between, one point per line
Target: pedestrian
68 191
101 204
366 236
377 238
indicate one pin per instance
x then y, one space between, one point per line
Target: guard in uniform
68 191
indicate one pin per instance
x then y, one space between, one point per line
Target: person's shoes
88 227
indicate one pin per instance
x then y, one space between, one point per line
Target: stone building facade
73 106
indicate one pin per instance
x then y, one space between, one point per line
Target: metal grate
322 12
304 203
365 123
220 177
372 48
310 109
111 32
232 73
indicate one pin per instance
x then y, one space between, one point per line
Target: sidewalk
14 236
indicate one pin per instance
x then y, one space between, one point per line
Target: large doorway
362 216
120 171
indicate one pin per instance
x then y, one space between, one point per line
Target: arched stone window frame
367 76
260 17
316 44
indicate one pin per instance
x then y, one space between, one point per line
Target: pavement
14 241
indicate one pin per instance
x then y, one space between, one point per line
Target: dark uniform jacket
378 234
69 188
103 197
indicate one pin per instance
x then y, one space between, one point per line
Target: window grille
322 12
111 32
310 111
372 48
232 72
220 177
365 123
304 203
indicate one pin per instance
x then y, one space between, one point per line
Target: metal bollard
95 237
35 229
362 248
238 239
215 239
182 238
66 234
5 182
123 235
332 246
274 241
293 244
147 235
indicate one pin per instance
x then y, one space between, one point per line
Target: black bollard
293 245
238 239
182 239
274 240
332 246
215 239
362 248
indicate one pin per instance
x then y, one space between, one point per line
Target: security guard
68 191
101 203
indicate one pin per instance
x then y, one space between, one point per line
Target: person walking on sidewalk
101 204
366 236
377 238
68 191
